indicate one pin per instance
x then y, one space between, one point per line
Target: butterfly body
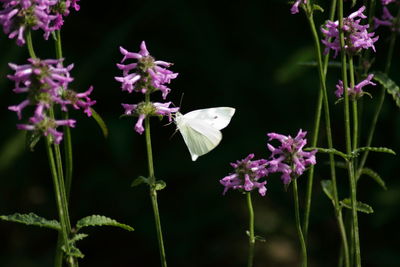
200 128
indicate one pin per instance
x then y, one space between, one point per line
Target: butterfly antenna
180 101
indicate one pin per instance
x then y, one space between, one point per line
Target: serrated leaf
78 237
317 7
160 185
327 188
362 207
390 86
374 149
99 220
140 180
32 219
377 178
73 252
100 122
328 151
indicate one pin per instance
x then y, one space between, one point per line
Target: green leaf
391 87
98 220
77 237
32 138
140 180
328 151
160 185
377 178
362 207
32 219
317 7
100 122
327 188
73 252
374 149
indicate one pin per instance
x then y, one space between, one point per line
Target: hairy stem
350 166
252 239
298 224
322 69
153 191
323 96
29 44
61 205
67 131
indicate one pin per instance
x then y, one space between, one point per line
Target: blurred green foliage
243 54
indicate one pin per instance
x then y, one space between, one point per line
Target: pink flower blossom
356 35
246 175
289 158
150 75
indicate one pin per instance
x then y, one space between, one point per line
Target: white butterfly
201 128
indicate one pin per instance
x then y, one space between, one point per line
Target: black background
242 54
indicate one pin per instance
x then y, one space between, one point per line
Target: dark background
242 54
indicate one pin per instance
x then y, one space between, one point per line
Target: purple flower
46 83
357 91
143 110
295 7
46 126
150 75
387 20
246 175
17 16
289 158
356 35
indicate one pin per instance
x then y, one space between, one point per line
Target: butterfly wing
200 137
217 118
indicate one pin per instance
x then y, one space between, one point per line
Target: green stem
29 44
62 214
153 191
298 224
354 105
67 131
68 156
322 69
381 98
58 45
350 166
252 239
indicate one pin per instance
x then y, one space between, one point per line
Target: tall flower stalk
149 76
322 101
55 163
246 178
290 160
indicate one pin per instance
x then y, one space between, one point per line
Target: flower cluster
387 20
289 158
295 6
46 82
246 175
18 16
355 92
149 76
356 35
